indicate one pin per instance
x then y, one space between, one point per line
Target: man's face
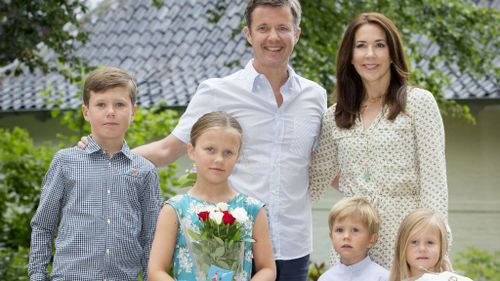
272 36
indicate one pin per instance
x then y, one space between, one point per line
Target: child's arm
45 221
150 207
265 268
163 247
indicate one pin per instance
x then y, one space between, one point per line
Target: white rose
240 215
216 217
202 208
222 206
210 209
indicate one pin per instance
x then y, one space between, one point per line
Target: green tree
22 166
478 264
27 26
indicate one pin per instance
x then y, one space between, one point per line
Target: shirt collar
357 266
292 85
93 147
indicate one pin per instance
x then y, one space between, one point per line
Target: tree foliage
478 264
22 166
31 25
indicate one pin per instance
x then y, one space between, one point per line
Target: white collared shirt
277 146
365 270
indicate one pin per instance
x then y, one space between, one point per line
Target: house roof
169 51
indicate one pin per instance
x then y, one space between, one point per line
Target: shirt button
109 192
109 221
107 251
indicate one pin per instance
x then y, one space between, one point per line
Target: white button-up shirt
365 270
277 145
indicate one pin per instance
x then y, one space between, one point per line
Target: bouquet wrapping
217 247
443 276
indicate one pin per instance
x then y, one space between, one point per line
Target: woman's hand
335 182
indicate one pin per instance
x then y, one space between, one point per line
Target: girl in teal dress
214 147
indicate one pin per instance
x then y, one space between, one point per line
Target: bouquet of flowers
217 249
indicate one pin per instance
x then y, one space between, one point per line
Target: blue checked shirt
103 213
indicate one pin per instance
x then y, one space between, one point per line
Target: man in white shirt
280 113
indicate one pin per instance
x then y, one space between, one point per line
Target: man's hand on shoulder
83 143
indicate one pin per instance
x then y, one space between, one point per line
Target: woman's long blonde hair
417 221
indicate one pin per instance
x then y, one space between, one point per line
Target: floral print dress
187 208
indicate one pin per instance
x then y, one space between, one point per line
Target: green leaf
224 264
194 235
218 240
219 252
250 240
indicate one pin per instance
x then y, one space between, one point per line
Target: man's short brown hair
293 4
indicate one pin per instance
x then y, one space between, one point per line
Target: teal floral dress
187 208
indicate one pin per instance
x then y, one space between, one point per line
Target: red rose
228 218
203 216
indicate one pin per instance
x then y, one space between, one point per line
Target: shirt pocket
397 140
129 186
305 133
349 149
393 132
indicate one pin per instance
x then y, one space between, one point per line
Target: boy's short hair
107 77
357 208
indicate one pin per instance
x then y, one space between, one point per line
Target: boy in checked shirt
100 203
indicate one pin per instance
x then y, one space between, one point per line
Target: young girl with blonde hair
215 145
421 246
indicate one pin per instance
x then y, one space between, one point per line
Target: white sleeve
202 102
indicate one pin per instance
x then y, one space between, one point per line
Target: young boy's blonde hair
417 221
357 208
107 77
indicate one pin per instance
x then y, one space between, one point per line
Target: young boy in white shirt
354 226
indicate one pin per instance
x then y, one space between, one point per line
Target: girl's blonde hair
216 119
417 221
